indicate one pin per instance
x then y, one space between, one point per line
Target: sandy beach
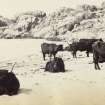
81 84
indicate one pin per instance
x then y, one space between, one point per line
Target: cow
50 49
56 65
98 53
82 45
9 84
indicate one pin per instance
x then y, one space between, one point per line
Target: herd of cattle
9 84
95 46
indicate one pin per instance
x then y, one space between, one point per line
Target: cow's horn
13 66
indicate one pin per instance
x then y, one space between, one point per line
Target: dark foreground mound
9 83
56 65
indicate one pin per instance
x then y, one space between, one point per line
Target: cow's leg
74 54
87 53
98 66
50 56
96 63
54 55
95 66
44 56
95 59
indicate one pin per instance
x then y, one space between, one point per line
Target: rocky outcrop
65 23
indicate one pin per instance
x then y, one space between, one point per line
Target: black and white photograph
52 52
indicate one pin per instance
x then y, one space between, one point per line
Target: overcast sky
9 8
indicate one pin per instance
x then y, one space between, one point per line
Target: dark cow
56 65
98 53
50 49
9 83
82 45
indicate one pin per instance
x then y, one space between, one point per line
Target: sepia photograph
52 52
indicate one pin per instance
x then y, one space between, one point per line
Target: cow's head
60 48
72 47
67 48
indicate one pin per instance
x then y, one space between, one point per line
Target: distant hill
86 21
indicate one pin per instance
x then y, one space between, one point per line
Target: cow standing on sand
50 49
98 53
82 45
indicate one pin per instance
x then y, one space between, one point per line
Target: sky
9 8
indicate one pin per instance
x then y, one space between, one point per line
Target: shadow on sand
25 91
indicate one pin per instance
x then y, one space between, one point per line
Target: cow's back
86 44
48 48
82 46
